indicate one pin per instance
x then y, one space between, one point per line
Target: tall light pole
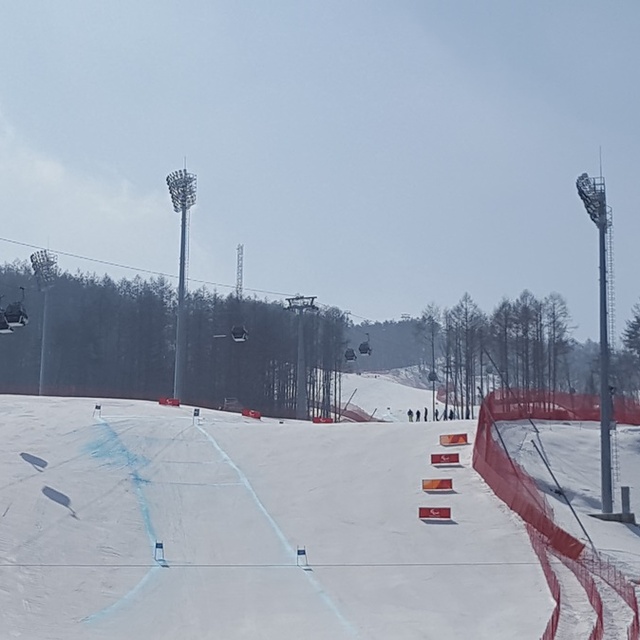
593 195
45 269
300 304
182 189
433 376
239 271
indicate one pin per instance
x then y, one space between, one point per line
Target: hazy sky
379 155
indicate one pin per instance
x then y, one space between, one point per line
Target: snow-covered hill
85 498
388 396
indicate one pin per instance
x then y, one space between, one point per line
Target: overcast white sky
378 154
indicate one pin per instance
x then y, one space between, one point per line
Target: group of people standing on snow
436 415
417 414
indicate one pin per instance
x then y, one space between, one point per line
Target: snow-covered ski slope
84 499
572 449
389 395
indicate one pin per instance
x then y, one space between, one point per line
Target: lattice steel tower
300 304
611 290
593 195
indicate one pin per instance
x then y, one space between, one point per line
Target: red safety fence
515 487
539 546
581 572
320 420
518 490
601 567
558 406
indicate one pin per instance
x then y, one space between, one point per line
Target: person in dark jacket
410 414
436 415
418 415
426 414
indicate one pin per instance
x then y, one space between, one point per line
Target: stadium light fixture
44 265
182 189
592 194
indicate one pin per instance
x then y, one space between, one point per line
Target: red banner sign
445 458
318 420
169 402
250 413
434 513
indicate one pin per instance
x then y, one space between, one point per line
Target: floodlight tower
593 195
182 189
300 304
44 265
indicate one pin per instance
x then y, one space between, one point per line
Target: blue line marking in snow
288 547
110 448
99 615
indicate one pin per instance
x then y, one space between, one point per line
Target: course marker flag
445 458
434 513
440 484
452 439
169 402
250 413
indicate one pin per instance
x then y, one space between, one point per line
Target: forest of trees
116 339
525 343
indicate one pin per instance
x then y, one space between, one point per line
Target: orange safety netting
557 405
518 490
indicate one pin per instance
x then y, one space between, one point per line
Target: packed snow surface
84 499
388 396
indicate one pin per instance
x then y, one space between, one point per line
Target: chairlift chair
350 355
365 347
15 313
239 333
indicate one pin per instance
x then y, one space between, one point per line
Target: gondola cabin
365 348
350 355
